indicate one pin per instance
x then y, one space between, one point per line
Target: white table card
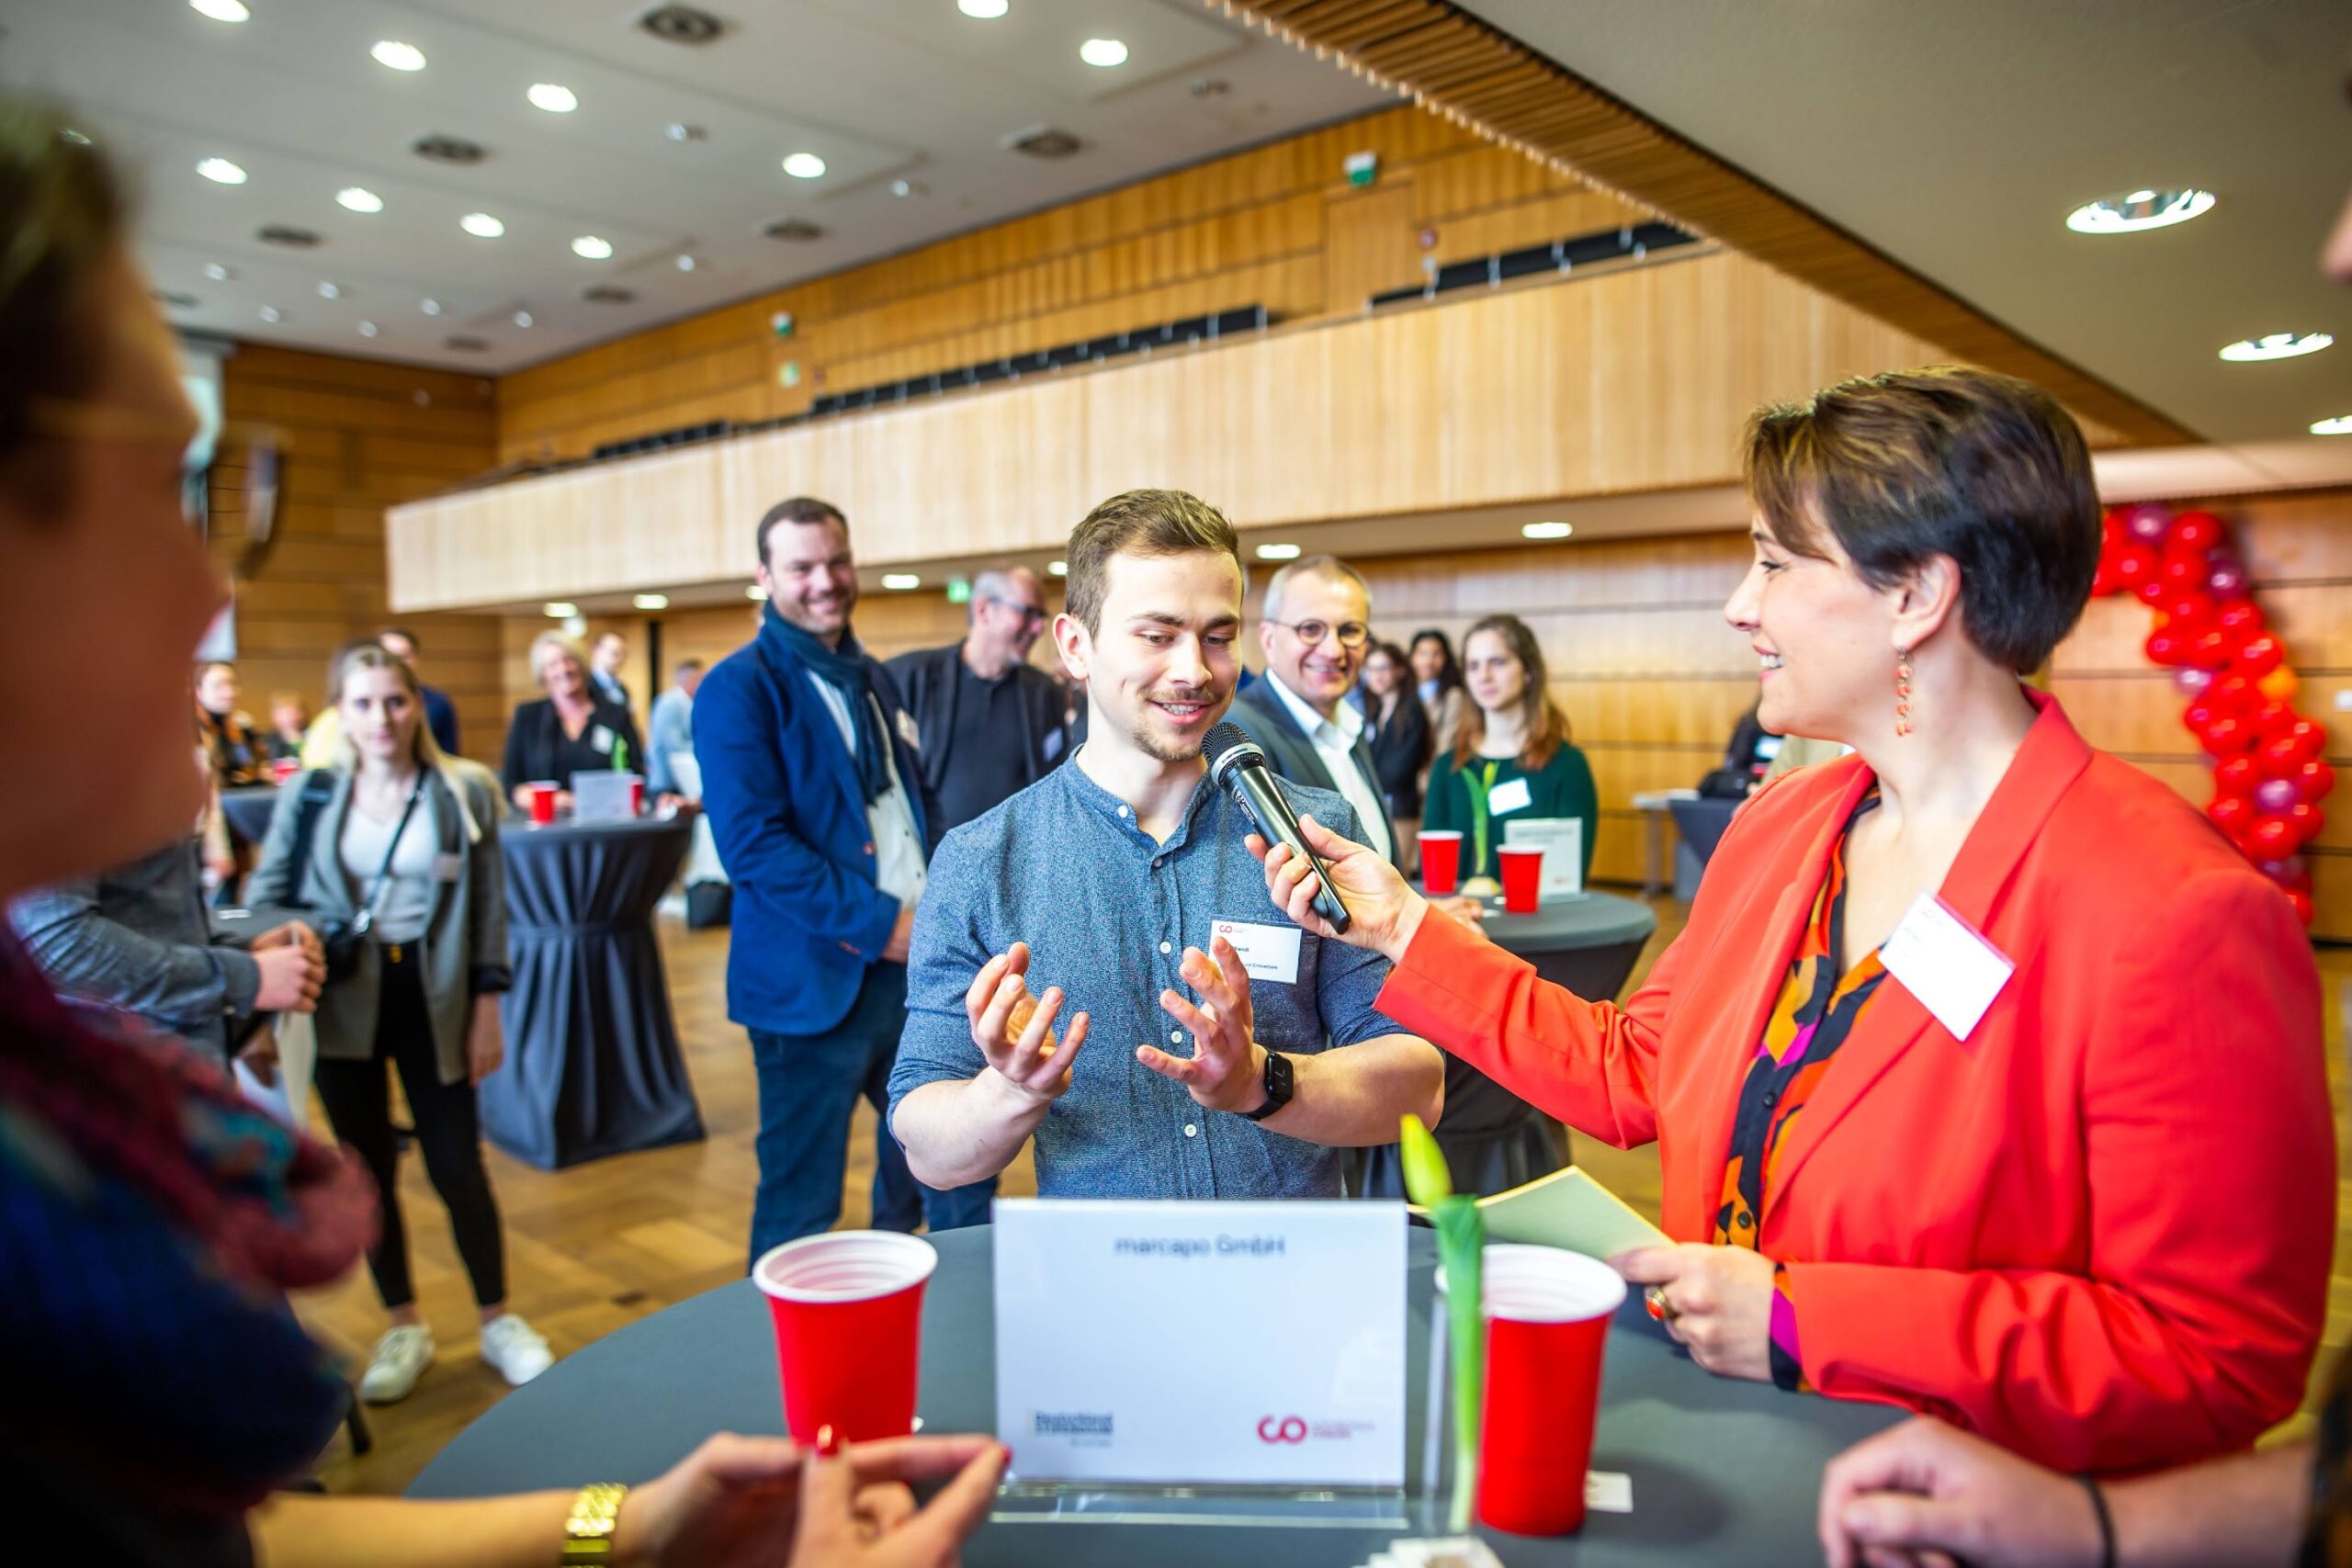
601 796
1221 1343
1562 840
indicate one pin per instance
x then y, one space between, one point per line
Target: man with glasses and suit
991 723
1315 628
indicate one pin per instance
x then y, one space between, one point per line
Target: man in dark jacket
992 724
1313 626
136 938
823 821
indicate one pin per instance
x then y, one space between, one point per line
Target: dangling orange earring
1902 691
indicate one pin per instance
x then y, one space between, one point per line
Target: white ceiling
883 90
1956 137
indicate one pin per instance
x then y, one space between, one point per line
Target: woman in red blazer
2093 1222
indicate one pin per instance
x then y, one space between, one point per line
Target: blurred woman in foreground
157 1385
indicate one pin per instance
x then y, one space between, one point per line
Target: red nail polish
829 1441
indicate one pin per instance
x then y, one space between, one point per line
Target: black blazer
927 679
537 747
1261 713
1400 749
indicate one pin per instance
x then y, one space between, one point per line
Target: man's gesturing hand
1014 1030
1227 1071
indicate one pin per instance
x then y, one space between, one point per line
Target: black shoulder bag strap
318 788
367 917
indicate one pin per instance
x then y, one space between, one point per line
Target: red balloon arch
2269 777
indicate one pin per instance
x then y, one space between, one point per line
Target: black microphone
1236 763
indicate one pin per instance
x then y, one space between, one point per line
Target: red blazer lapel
2051 759
1751 955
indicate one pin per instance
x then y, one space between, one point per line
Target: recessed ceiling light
683 130
1546 530
907 188
367 329
753 591
220 10
1277 552
269 313
1058 568
900 581
430 307
218 273
398 55
1102 51
803 166
553 98
651 600
2340 425
2135 212
221 171
521 317
559 609
359 198
986 10
591 247
481 225
330 291
2278 345
686 262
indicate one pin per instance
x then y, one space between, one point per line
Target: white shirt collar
1339 730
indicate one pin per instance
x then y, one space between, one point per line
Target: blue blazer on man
782 794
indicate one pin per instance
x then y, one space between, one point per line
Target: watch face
1278 1076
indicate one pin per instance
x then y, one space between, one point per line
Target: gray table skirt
1722 1473
593 1067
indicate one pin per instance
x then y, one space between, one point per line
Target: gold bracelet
588 1531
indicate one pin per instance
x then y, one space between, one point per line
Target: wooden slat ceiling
1455 64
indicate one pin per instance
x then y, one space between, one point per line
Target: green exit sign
960 590
1363 168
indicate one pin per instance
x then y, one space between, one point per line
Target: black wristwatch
1279 1084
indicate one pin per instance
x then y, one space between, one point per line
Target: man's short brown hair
804 510
1141 523
1909 465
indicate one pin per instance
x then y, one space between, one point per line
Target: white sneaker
401 1358
515 1348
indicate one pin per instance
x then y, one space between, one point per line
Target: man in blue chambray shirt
1214 1050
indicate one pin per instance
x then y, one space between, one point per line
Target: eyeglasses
1031 614
232 498
1352 634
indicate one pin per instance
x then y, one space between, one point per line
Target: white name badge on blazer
601 738
1942 960
1512 796
1267 953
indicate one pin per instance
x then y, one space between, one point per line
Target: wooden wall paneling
1627 381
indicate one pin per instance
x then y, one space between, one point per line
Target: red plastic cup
542 804
1441 861
848 1312
1547 1323
1522 878
285 768
637 798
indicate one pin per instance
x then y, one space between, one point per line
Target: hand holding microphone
1324 883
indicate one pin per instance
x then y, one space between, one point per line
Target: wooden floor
592 1249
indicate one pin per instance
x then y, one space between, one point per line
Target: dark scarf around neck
847 671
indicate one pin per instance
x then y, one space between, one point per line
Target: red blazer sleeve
1592 1064
2209 1160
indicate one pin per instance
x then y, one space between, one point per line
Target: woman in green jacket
1510 756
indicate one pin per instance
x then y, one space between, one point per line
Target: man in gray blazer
1315 628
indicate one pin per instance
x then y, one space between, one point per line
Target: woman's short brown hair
1141 523
1905 466
61 216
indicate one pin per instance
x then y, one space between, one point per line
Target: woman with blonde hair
397 847
569 730
1509 753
